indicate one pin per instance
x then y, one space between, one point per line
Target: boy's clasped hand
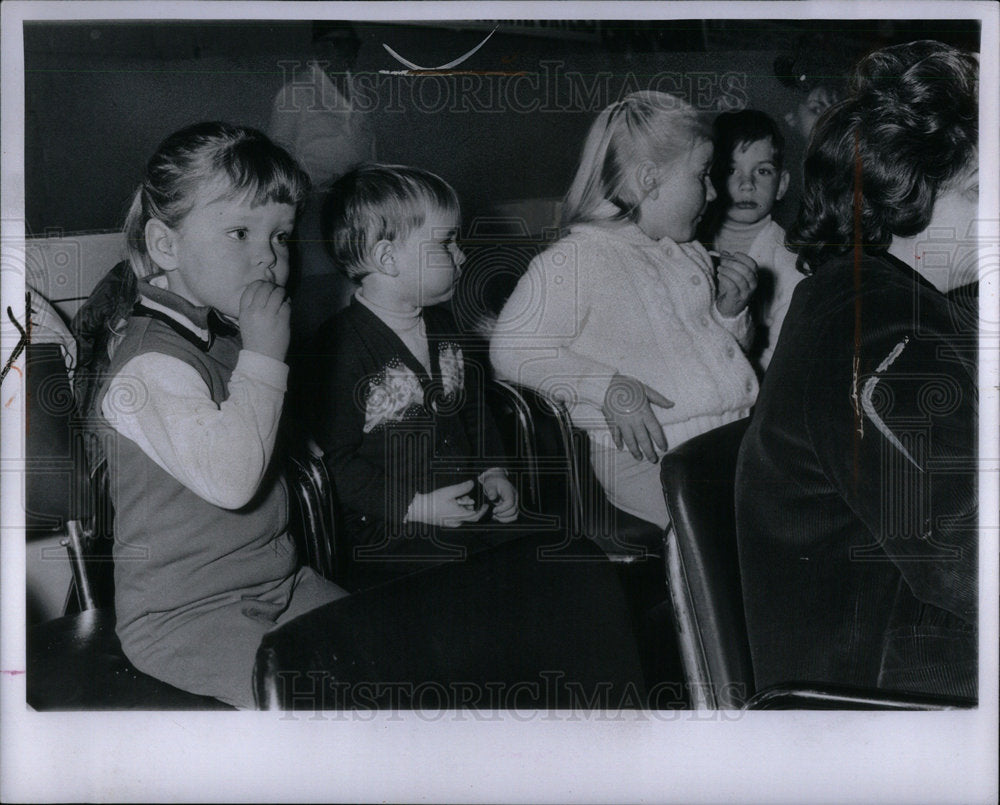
453 506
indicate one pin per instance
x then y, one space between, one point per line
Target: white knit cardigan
607 299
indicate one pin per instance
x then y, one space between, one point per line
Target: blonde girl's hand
447 506
628 411
265 316
736 278
501 493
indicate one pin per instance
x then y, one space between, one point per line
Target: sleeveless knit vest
172 548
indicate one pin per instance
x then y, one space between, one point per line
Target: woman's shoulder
873 299
870 275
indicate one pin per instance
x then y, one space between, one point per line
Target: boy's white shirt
768 250
219 452
769 247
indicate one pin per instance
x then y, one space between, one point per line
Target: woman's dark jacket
856 487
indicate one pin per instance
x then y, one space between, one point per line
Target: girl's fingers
649 442
745 273
616 435
629 437
274 299
506 497
734 271
658 399
643 441
736 281
656 431
249 296
505 507
726 286
262 295
743 259
465 516
505 515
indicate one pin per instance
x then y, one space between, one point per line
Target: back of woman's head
642 126
878 161
242 160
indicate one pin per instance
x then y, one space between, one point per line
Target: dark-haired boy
751 179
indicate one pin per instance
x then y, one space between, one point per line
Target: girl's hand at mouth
265 316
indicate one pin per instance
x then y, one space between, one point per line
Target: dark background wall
100 96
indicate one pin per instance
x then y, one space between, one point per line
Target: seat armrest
698 480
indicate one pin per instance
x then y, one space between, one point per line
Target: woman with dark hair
856 484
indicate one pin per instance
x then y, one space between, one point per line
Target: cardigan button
704 321
749 386
695 279
730 351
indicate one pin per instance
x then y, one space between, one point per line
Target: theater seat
504 629
313 517
705 590
76 663
563 497
559 479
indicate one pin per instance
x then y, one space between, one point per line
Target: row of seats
443 626
76 662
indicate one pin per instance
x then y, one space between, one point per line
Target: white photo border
692 757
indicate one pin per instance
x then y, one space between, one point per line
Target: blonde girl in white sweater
625 319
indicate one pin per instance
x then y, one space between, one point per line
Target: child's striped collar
199 325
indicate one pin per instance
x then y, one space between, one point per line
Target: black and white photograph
487 402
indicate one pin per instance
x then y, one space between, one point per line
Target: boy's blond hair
378 202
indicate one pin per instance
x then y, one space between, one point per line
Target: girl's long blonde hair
642 125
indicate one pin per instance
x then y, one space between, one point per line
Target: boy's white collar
739 226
